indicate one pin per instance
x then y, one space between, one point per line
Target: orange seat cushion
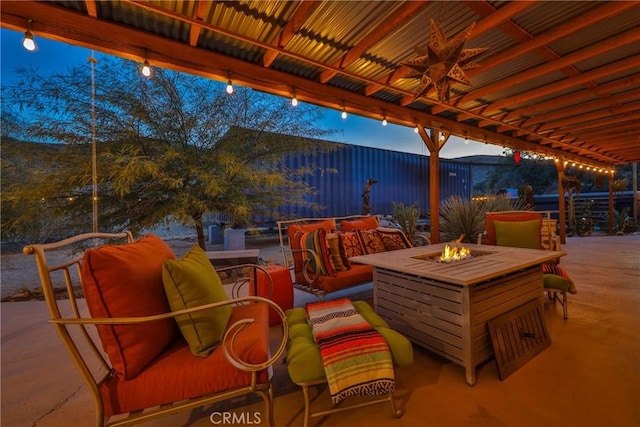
126 281
497 216
358 274
177 374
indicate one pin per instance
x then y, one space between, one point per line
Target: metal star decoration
442 61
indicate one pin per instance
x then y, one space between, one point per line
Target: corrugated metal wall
402 178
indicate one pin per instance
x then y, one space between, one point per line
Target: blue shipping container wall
402 178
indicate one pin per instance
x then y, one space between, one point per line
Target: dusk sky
51 57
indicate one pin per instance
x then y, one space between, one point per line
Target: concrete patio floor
590 376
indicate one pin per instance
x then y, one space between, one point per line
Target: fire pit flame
453 253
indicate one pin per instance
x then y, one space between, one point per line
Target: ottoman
282 292
304 362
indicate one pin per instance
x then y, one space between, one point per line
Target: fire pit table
445 306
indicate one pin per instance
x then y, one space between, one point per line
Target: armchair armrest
228 340
309 265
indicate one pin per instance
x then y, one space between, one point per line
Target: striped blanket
356 358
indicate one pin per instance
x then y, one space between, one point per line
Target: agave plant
406 216
465 219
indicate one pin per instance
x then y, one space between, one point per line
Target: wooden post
634 198
610 231
434 143
562 212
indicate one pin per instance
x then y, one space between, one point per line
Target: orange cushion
126 281
358 274
327 224
367 223
177 374
281 293
499 216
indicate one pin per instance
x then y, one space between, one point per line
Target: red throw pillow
393 240
371 241
126 281
351 244
368 223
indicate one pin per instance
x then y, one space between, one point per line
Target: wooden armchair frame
85 350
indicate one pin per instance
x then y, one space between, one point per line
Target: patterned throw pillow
351 244
337 254
393 239
316 241
371 241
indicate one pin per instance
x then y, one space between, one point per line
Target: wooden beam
489 22
574 98
608 70
303 12
583 21
562 213
92 8
608 102
591 117
68 26
630 36
202 10
390 24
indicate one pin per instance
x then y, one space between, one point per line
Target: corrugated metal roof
324 32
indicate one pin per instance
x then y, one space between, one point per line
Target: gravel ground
19 276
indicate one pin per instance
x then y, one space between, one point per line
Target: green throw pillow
191 282
518 234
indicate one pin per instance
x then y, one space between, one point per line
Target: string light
28 42
229 85
146 68
416 130
344 113
294 101
384 121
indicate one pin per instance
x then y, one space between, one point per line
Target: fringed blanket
356 358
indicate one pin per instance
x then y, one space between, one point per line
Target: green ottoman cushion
553 281
304 362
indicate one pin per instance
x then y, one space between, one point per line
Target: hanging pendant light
229 85
28 42
146 68
344 113
294 101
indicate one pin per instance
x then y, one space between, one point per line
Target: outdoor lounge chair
529 229
167 338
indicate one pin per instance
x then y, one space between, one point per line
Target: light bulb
441 137
146 69
294 101
415 129
229 87
466 140
344 114
28 42
384 122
